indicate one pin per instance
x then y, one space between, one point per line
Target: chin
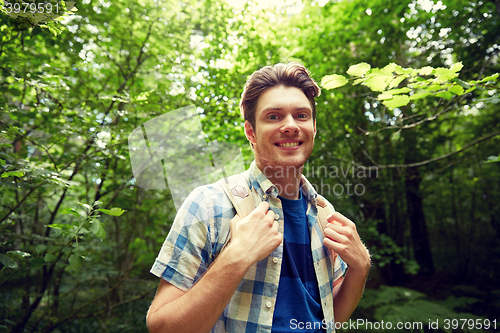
294 162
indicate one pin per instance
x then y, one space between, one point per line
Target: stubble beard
271 165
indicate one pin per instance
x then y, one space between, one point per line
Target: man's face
284 128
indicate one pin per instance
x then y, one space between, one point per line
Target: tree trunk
418 227
414 205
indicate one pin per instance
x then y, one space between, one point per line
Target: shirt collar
263 185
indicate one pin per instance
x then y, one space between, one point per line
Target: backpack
237 190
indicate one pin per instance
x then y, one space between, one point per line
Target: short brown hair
292 74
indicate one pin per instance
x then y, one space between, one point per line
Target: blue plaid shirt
199 232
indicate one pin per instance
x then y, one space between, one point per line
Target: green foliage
47 14
493 159
418 83
393 305
72 90
384 250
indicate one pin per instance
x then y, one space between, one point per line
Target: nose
289 125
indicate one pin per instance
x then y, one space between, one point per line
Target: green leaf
389 69
75 261
37 262
359 69
333 81
490 78
143 96
8 321
20 254
463 84
445 94
470 90
398 91
84 205
434 87
419 95
378 82
397 101
445 74
405 71
457 90
113 212
427 70
97 229
493 159
456 67
5 145
384 96
358 81
396 81
12 173
6 261
69 210
49 257
41 248
493 99
61 226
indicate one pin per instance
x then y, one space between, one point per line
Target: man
276 274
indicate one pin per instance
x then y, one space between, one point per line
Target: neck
285 178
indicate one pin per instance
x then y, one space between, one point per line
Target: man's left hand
342 237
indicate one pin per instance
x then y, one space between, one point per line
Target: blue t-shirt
298 304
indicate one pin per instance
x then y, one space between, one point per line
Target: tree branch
418 164
21 201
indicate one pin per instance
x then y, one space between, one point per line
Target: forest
407 147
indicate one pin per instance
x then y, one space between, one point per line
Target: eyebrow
279 108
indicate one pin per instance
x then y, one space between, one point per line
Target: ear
314 128
250 133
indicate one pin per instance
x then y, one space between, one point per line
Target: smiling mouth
288 144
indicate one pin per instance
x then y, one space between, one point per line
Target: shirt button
264 196
275 260
277 217
269 304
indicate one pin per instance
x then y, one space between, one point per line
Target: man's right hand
256 236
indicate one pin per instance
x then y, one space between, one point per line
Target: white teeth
289 144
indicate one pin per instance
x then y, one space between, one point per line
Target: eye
302 116
272 117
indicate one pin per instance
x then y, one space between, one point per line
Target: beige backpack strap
237 190
323 212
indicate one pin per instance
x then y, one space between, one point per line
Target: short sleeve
186 252
339 266
339 269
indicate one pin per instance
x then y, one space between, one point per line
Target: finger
335 236
334 225
234 220
339 218
276 226
263 207
333 245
